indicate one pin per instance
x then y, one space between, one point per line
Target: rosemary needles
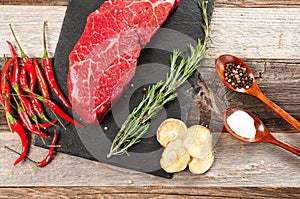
137 122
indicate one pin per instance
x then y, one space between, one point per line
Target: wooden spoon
254 90
262 133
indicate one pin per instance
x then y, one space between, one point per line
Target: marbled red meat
104 59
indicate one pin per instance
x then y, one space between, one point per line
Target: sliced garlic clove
175 157
198 141
170 130
200 166
206 149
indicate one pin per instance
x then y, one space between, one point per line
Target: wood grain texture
158 192
267 36
236 164
27 22
35 2
258 4
256 32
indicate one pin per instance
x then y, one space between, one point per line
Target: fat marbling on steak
104 59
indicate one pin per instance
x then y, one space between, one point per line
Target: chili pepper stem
12 105
43 140
45 55
35 119
16 87
10 117
14 151
21 50
59 121
12 94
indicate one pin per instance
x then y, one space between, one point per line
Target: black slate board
182 27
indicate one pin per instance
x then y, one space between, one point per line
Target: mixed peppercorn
237 76
20 79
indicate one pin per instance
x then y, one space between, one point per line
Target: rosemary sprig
137 122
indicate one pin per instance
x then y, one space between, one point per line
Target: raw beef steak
104 59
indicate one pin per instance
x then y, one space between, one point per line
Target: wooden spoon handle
287 117
286 146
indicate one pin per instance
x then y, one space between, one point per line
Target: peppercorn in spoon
238 76
247 127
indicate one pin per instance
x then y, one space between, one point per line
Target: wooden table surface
265 33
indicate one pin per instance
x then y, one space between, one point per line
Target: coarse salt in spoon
247 127
249 87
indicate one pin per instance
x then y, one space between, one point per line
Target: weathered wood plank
151 192
218 3
35 2
256 33
236 164
268 36
27 22
257 3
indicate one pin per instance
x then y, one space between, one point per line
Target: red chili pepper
32 76
23 80
50 74
28 65
49 156
17 127
25 102
12 49
27 123
41 80
6 99
5 92
7 107
46 124
37 107
4 78
55 108
27 106
6 104
5 89
14 80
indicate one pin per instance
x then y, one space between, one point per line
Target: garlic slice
170 130
175 157
200 166
198 141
